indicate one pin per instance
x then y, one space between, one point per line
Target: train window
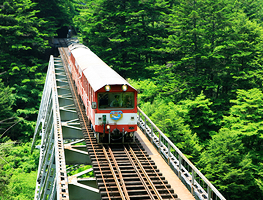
88 90
116 100
80 72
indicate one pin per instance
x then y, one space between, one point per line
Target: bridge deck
179 188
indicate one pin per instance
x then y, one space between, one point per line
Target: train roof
97 72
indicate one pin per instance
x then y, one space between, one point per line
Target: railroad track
122 171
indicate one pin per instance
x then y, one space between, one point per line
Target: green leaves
17 170
246 113
24 34
229 166
169 118
121 33
212 46
22 185
22 46
244 123
6 103
193 62
200 117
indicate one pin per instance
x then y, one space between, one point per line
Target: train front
116 114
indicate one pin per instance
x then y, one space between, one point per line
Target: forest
197 65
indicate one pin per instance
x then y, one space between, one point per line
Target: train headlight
124 88
107 88
108 127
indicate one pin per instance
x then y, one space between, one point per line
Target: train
110 101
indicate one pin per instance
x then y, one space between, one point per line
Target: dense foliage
17 171
197 65
26 26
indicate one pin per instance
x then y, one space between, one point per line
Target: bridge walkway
179 188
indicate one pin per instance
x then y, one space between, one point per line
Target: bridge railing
192 178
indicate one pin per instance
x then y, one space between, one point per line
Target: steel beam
61 142
83 188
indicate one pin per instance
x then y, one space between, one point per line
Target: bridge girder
61 142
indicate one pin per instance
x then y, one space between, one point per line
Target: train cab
116 113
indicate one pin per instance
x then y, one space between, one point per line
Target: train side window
85 84
80 72
91 96
89 92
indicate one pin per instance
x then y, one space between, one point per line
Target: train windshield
116 100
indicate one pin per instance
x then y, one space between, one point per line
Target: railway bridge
73 166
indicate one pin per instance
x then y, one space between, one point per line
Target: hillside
197 65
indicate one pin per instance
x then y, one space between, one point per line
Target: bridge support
62 147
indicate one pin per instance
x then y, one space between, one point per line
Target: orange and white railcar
110 101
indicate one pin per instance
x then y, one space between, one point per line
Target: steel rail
119 173
79 106
114 174
145 174
138 173
155 171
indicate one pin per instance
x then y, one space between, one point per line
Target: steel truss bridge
73 167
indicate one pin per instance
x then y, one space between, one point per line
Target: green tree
147 90
213 48
120 32
228 165
17 170
245 120
4 176
171 85
259 176
184 44
246 117
22 46
22 186
58 14
6 102
21 42
252 8
167 117
199 116
246 56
